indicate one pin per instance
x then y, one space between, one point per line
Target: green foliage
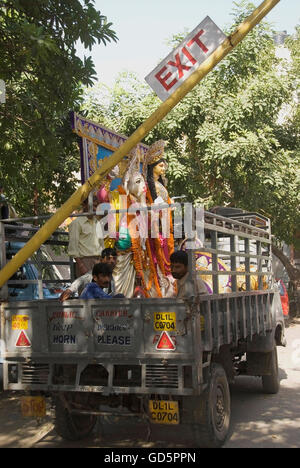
233 140
293 43
44 79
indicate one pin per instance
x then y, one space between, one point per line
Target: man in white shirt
186 287
85 244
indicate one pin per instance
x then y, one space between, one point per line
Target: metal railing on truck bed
238 249
46 271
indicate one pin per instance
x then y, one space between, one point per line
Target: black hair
101 269
180 256
108 252
150 179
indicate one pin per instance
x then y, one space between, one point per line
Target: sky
144 26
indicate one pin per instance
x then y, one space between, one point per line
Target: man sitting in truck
108 256
102 273
186 287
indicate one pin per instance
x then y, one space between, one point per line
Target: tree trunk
294 276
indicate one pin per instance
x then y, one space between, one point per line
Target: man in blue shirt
101 279
109 256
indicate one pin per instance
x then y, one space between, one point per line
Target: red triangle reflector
165 342
23 340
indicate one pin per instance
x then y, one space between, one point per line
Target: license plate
19 322
165 321
33 406
164 411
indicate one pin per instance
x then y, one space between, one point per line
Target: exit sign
185 59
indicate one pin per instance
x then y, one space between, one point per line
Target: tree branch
294 273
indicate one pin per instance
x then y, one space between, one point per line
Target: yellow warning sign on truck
19 322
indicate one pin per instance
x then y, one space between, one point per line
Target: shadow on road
262 420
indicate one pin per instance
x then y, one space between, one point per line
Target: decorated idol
161 240
143 249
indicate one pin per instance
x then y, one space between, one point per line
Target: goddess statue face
159 169
136 185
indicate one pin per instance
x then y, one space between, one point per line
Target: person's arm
78 284
65 295
81 282
92 291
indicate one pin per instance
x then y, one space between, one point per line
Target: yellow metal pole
75 200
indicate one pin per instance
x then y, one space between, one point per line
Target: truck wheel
72 426
271 382
213 412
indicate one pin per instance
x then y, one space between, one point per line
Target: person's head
109 256
102 274
179 264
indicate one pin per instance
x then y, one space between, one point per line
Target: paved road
258 420
269 421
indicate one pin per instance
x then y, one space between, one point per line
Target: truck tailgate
131 328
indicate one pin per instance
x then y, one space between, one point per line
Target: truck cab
23 285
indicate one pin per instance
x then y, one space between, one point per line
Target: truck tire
271 382
213 412
72 426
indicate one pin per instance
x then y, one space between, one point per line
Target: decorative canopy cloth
96 143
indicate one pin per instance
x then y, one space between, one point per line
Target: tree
44 78
230 142
225 142
292 139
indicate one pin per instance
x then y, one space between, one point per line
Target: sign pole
76 199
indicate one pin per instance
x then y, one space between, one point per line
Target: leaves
44 80
234 139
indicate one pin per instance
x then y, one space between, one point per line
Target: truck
170 361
